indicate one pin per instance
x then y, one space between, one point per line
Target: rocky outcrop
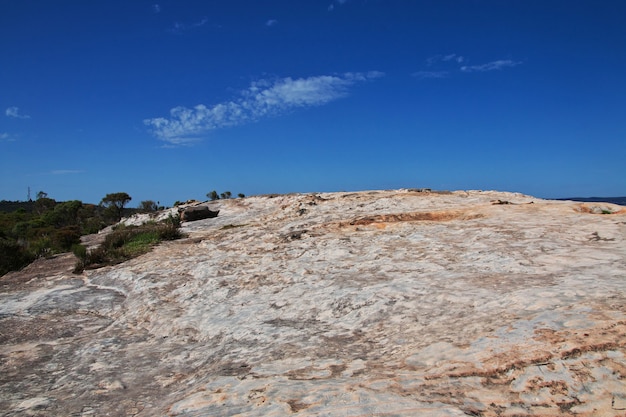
395 303
193 213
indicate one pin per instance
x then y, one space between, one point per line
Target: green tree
115 203
148 206
226 195
43 204
64 214
241 195
213 195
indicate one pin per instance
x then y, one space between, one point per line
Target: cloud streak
430 74
262 99
66 172
442 66
14 112
490 66
181 27
433 60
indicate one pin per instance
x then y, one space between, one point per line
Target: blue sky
168 100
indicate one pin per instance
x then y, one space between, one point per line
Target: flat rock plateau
381 303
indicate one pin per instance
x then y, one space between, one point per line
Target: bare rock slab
403 303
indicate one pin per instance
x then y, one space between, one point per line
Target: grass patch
126 242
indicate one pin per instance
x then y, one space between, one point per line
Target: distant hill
614 200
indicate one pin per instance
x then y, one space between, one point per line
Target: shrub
42 247
173 220
127 242
148 206
66 237
13 256
80 251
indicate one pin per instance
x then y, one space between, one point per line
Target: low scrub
126 242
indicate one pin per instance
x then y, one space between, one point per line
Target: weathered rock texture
393 303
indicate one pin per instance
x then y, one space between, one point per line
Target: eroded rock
193 213
375 303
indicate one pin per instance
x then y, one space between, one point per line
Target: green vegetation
148 206
29 230
127 242
114 204
213 195
44 227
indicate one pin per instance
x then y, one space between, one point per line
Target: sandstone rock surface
386 303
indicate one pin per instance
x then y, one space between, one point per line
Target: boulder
190 214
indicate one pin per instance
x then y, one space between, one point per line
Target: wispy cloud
430 74
433 60
441 66
5 137
66 171
331 7
262 99
15 113
181 27
271 22
156 8
490 66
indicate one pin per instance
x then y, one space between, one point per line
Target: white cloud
430 74
271 22
181 27
262 99
445 65
5 137
156 8
491 66
453 57
15 113
433 60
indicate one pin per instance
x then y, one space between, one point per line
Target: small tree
115 203
213 195
226 195
148 206
241 195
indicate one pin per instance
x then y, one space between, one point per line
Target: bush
80 251
42 247
127 242
148 206
66 237
13 256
